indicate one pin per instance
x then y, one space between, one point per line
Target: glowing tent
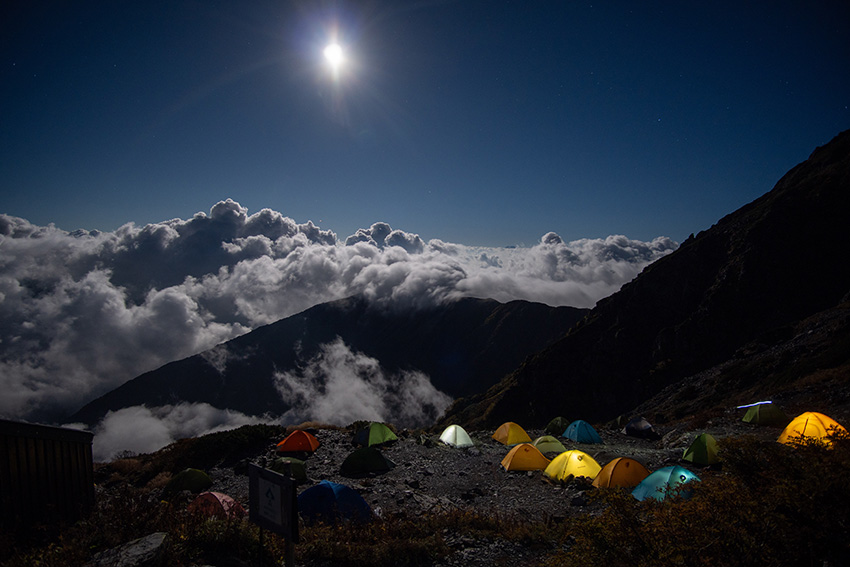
703 451
509 433
571 464
810 424
622 471
524 457
582 432
216 505
549 444
663 483
456 436
298 442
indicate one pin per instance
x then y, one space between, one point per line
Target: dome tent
703 450
374 434
290 467
524 457
571 464
216 505
622 471
329 502
812 425
766 413
641 428
364 461
456 436
549 444
509 433
193 480
664 482
557 426
298 442
582 432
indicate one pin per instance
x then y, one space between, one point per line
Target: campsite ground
429 476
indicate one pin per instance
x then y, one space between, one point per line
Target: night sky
478 122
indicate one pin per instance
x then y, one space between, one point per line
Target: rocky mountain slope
750 283
464 347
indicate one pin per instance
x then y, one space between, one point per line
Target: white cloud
140 429
81 313
340 386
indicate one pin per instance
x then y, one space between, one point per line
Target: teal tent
664 482
582 432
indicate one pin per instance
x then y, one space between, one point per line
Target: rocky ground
430 476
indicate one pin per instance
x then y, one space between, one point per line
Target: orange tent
622 471
810 424
509 433
298 442
216 505
524 457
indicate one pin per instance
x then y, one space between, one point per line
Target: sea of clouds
83 312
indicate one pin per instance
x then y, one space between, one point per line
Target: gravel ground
430 476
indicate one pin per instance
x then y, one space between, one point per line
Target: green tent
703 451
193 480
365 461
374 434
766 414
548 444
291 467
557 426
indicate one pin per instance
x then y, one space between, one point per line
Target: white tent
456 436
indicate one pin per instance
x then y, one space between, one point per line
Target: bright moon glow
333 53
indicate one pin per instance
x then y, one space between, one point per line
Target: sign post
273 505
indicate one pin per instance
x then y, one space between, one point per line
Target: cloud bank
83 312
140 429
340 386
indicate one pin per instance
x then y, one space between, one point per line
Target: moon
334 55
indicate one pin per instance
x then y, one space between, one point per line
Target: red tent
298 442
217 505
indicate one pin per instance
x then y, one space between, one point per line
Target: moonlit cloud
340 386
140 429
81 313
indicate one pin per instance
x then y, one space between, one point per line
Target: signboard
272 503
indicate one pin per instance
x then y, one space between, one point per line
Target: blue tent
328 502
660 483
582 432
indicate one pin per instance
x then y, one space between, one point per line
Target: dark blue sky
478 122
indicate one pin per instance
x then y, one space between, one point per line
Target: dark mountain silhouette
756 282
464 346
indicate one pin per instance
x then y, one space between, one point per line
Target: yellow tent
524 457
572 463
810 424
509 433
622 471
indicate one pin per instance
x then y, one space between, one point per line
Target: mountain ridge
463 346
762 268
